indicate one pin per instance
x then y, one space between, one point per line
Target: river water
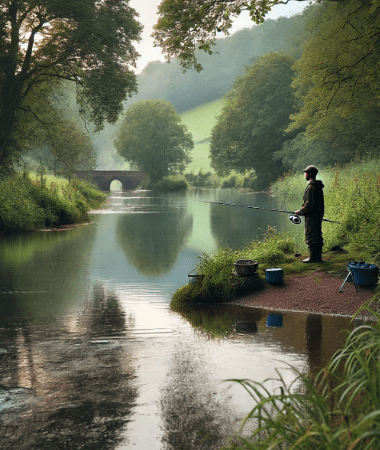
92 357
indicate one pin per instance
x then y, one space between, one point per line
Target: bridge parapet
130 179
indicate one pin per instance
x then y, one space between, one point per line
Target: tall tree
89 42
187 25
338 79
251 127
153 138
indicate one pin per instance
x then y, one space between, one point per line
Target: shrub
29 204
169 184
230 182
18 211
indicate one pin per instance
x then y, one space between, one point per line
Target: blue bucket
274 320
364 274
274 275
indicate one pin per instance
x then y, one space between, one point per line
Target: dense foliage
252 124
153 138
231 54
334 116
184 26
84 41
27 204
337 83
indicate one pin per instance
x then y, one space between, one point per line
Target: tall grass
352 197
31 203
339 410
218 284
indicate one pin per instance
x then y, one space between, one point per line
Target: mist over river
91 357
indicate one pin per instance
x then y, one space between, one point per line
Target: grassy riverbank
29 203
352 195
340 408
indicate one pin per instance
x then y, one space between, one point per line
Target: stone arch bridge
130 179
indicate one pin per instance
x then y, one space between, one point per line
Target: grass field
199 122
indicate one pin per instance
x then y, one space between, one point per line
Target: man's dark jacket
313 209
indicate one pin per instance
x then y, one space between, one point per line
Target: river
93 358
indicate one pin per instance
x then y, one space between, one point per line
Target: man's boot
315 254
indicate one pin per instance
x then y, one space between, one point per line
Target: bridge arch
129 179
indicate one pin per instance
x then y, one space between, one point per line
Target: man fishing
313 209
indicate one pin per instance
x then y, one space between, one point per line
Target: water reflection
192 415
152 242
44 274
221 321
91 355
103 314
313 335
314 340
81 390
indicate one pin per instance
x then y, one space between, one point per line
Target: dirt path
318 292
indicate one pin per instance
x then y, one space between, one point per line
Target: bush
230 182
200 180
169 184
18 210
27 204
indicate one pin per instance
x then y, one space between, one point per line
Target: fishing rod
293 217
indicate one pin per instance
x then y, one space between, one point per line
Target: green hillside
199 122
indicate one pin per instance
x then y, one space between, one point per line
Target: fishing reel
295 219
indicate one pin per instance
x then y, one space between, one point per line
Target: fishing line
294 218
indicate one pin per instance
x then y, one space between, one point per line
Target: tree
187 25
337 79
55 131
251 127
152 137
88 42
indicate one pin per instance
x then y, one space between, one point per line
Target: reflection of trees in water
192 417
103 314
235 227
152 242
82 386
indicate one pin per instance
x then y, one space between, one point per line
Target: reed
340 409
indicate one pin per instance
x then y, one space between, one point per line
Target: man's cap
311 169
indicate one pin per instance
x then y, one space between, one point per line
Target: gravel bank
318 293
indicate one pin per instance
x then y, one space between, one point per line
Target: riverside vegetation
340 408
29 203
352 197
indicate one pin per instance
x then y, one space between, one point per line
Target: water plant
340 409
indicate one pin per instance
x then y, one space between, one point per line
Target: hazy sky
147 10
